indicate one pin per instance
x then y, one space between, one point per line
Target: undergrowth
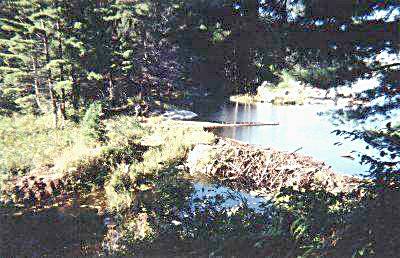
167 147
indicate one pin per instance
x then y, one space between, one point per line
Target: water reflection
232 198
300 127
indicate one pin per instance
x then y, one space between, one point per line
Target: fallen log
215 125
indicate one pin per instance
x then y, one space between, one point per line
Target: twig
296 150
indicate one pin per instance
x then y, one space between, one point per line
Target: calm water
300 127
232 198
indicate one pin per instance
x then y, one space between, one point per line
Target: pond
207 189
302 128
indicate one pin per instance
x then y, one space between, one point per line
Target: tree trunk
53 99
61 56
111 90
36 84
62 106
75 91
53 96
144 43
60 51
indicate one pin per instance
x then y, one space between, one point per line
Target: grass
29 142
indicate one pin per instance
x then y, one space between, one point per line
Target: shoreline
245 166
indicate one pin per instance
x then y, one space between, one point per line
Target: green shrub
120 191
92 125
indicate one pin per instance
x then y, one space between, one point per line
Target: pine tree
41 51
124 49
20 55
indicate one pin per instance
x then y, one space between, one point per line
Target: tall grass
29 142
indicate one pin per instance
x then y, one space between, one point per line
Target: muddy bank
41 191
247 166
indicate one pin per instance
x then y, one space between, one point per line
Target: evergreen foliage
92 124
61 54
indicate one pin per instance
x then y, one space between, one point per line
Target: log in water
215 125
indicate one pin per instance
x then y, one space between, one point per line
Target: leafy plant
91 123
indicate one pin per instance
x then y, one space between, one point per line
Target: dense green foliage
58 55
71 52
92 124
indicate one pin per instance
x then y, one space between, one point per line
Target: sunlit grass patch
245 98
28 142
123 128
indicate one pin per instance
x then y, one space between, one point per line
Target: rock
137 109
266 84
155 112
178 114
264 92
293 94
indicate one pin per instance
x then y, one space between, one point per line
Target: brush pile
247 166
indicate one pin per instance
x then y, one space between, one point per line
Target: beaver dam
250 167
